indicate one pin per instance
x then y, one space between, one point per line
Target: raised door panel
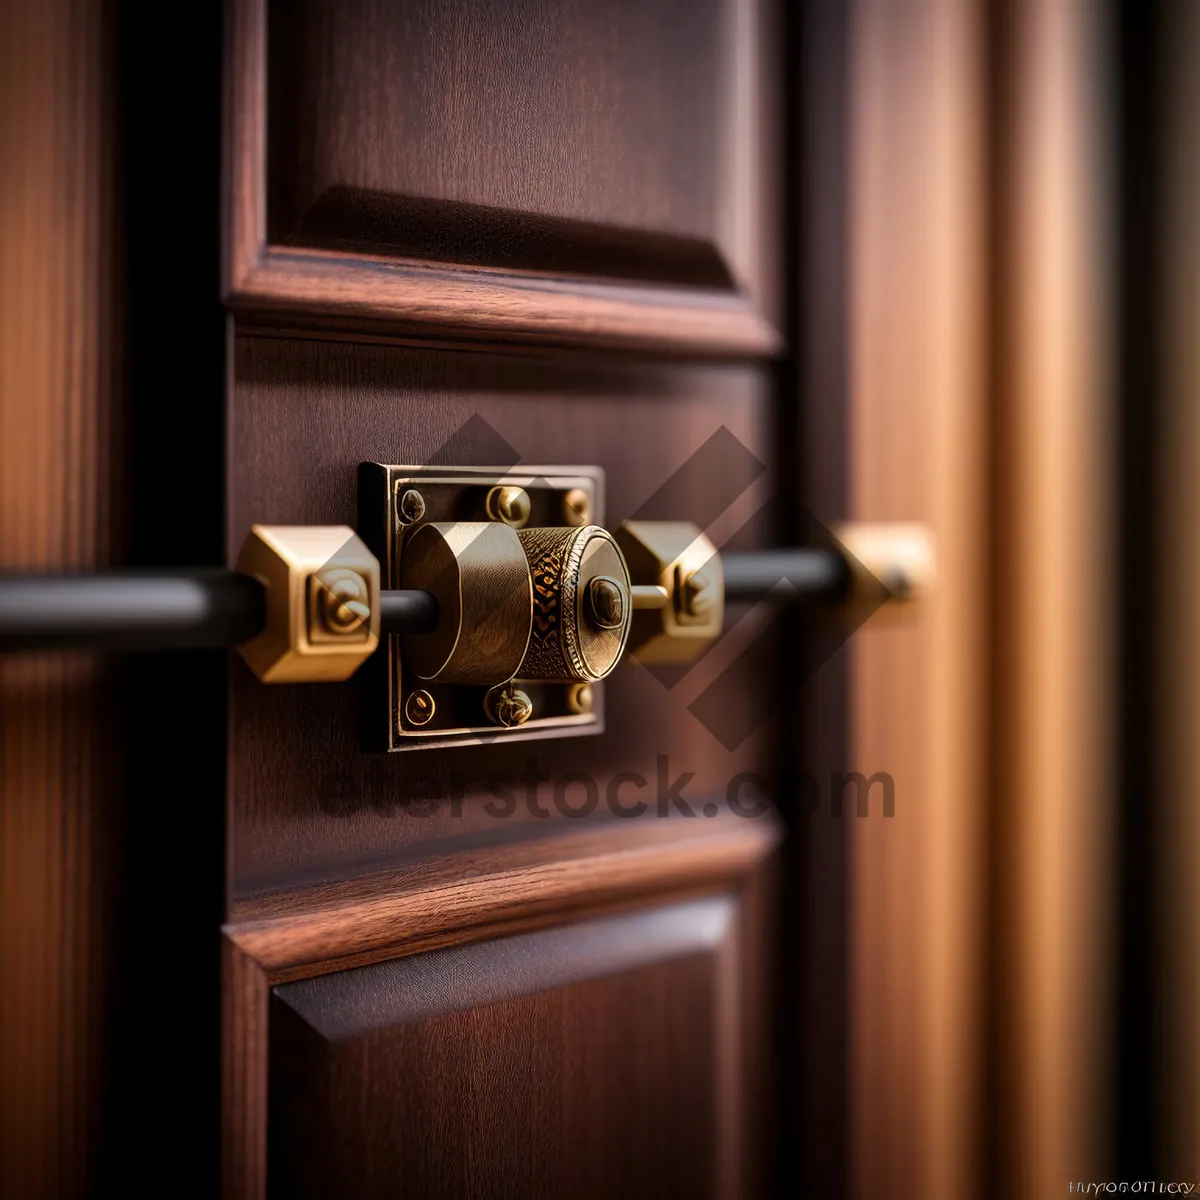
605 1058
559 172
582 137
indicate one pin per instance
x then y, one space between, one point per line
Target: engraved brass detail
456 496
564 643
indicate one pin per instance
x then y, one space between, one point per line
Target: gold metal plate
396 704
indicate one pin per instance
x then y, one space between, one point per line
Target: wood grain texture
244 1020
443 897
466 306
307 805
60 424
605 116
456 902
554 1063
535 199
918 449
630 211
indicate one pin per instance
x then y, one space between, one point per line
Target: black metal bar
131 610
408 612
134 610
803 574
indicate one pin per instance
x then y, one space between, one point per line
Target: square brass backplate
393 503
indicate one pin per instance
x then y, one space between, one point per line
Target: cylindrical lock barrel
478 572
581 604
550 604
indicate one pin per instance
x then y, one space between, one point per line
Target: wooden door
472 234
917 260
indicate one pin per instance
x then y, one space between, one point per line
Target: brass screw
577 507
344 605
606 602
509 504
419 708
411 507
508 706
580 698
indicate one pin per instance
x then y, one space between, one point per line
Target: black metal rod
408 612
786 574
136 610
144 610
129 610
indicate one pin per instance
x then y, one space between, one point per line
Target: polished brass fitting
548 604
899 555
678 590
322 597
478 572
509 504
581 604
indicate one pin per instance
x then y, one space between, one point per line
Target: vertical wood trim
244 1063
979 402
918 450
245 140
1176 884
728 1084
812 1037
60 421
1052 810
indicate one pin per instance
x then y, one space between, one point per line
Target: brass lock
535 598
498 602
513 600
546 604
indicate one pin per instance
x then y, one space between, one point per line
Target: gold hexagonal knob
322 586
679 589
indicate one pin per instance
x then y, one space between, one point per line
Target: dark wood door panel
606 1058
461 193
565 173
585 138
307 804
